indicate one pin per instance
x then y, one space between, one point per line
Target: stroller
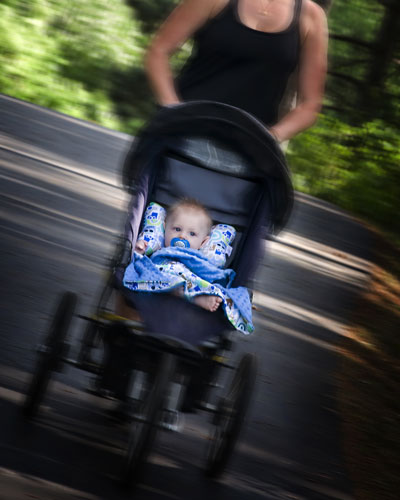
170 361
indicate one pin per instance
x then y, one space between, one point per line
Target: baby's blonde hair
190 203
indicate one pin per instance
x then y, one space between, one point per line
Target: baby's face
188 224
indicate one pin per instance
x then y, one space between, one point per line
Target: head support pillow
216 248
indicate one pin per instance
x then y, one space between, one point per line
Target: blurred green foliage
80 58
356 167
86 59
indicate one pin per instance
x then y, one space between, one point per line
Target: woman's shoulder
312 10
312 18
217 6
204 9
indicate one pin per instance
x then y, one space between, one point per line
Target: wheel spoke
231 413
143 432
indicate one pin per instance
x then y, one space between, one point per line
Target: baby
179 251
187 225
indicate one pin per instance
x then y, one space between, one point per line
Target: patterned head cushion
219 244
153 228
216 248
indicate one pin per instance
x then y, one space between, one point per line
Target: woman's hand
272 132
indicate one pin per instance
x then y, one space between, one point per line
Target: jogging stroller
170 361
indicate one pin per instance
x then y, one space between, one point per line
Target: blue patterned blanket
170 268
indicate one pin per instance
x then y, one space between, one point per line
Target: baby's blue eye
177 229
192 233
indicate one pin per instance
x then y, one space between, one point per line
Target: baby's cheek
167 239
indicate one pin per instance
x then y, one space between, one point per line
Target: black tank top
237 65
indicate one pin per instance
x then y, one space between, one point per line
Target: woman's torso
239 65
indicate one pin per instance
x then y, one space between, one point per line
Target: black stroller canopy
235 129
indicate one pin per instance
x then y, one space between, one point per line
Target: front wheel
50 353
144 428
230 415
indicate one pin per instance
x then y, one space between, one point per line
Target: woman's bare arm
312 73
176 30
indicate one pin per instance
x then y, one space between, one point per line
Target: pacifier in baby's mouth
180 243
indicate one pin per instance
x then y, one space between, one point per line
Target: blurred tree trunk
151 13
374 101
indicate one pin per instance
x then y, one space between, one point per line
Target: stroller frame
156 373
153 407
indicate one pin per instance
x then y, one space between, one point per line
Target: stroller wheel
146 423
230 415
50 353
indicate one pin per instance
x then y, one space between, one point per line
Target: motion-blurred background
62 205
85 58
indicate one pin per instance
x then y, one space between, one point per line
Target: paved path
60 208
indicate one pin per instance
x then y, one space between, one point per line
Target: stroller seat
225 164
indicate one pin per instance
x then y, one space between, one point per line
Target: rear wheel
230 416
50 353
144 428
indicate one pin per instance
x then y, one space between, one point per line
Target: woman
244 53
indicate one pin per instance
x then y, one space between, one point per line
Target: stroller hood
233 127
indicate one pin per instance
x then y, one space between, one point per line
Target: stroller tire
50 353
143 431
230 415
